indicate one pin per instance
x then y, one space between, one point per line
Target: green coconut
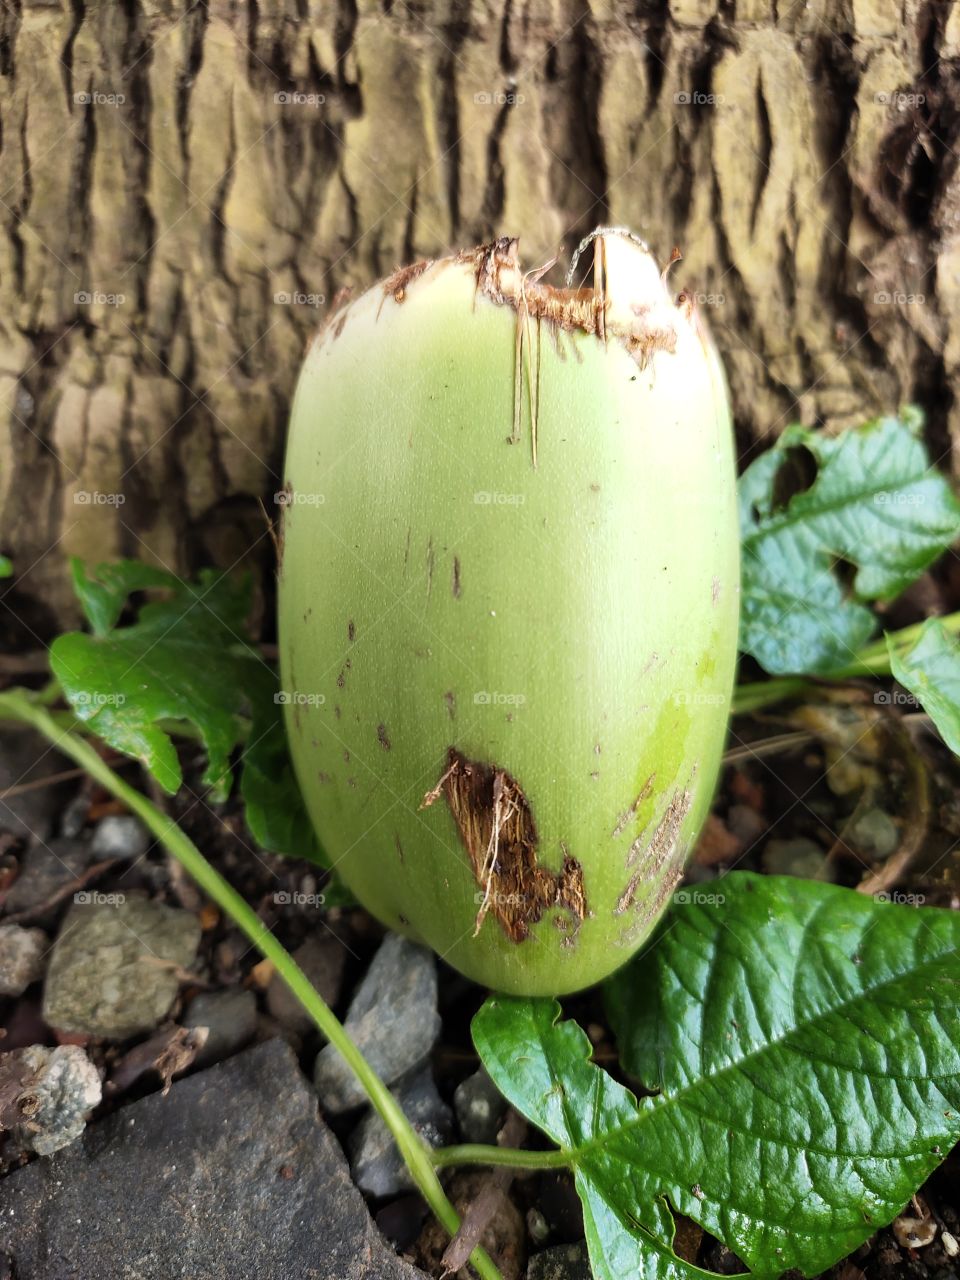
508 605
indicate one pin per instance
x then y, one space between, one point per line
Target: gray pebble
22 958
44 872
800 857
322 960
480 1108
113 968
25 756
120 835
64 1086
393 1020
875 832
230 1017
375 1162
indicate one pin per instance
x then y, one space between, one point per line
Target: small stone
375 1162
45 870
230 1017
949 1242
875 833
800 857
22 957
120 835
63 1086
393 1020
74 816
538 1229
563 1262
114 969
480 1108
25 756
322 960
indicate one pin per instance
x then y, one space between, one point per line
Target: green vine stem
508 1157
871 662
18 704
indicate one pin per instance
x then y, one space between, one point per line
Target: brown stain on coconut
661 864
500 837
500 277
395 286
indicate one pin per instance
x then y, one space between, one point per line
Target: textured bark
813 175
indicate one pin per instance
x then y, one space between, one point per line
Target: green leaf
804 1045
931 672
103 596
6 567
274 809
186 665
875 503
184 659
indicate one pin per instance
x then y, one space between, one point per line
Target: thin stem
872 661
509 1157
19 705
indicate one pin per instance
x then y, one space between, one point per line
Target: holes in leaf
796 475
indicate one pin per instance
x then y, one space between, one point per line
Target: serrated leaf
875 503
184 659
103 596
930 669
804 1043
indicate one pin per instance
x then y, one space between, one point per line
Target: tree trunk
181 181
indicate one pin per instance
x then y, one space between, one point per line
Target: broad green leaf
803 1043
103 596
186 664
875 503
6 567
931 671
184 659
